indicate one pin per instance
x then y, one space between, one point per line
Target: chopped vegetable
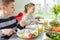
30 35
35 34
53 35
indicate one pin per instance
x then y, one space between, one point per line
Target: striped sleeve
0 34
19 26
7 23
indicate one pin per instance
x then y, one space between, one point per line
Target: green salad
53 35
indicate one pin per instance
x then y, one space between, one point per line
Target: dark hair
6 2
28 5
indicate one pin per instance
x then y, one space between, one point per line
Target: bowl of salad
53 35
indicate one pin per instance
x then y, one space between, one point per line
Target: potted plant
56 10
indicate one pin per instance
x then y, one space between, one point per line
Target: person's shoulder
11 17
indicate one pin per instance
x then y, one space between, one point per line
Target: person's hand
36 21
23 23
8 31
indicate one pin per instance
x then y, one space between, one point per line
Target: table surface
41 36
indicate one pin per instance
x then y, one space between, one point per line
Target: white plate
26 32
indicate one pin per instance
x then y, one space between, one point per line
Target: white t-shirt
28 18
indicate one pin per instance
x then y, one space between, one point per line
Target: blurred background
43 7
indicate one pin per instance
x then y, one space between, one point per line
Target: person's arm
20 26
26 19
36 20
6 33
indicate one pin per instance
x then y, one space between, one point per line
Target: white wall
58 1
19 5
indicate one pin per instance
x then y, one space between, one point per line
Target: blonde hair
28 5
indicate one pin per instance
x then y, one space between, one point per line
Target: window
43 7
39 7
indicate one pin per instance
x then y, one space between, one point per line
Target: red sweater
19 16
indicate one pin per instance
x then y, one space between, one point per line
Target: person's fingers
14 31
10 33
